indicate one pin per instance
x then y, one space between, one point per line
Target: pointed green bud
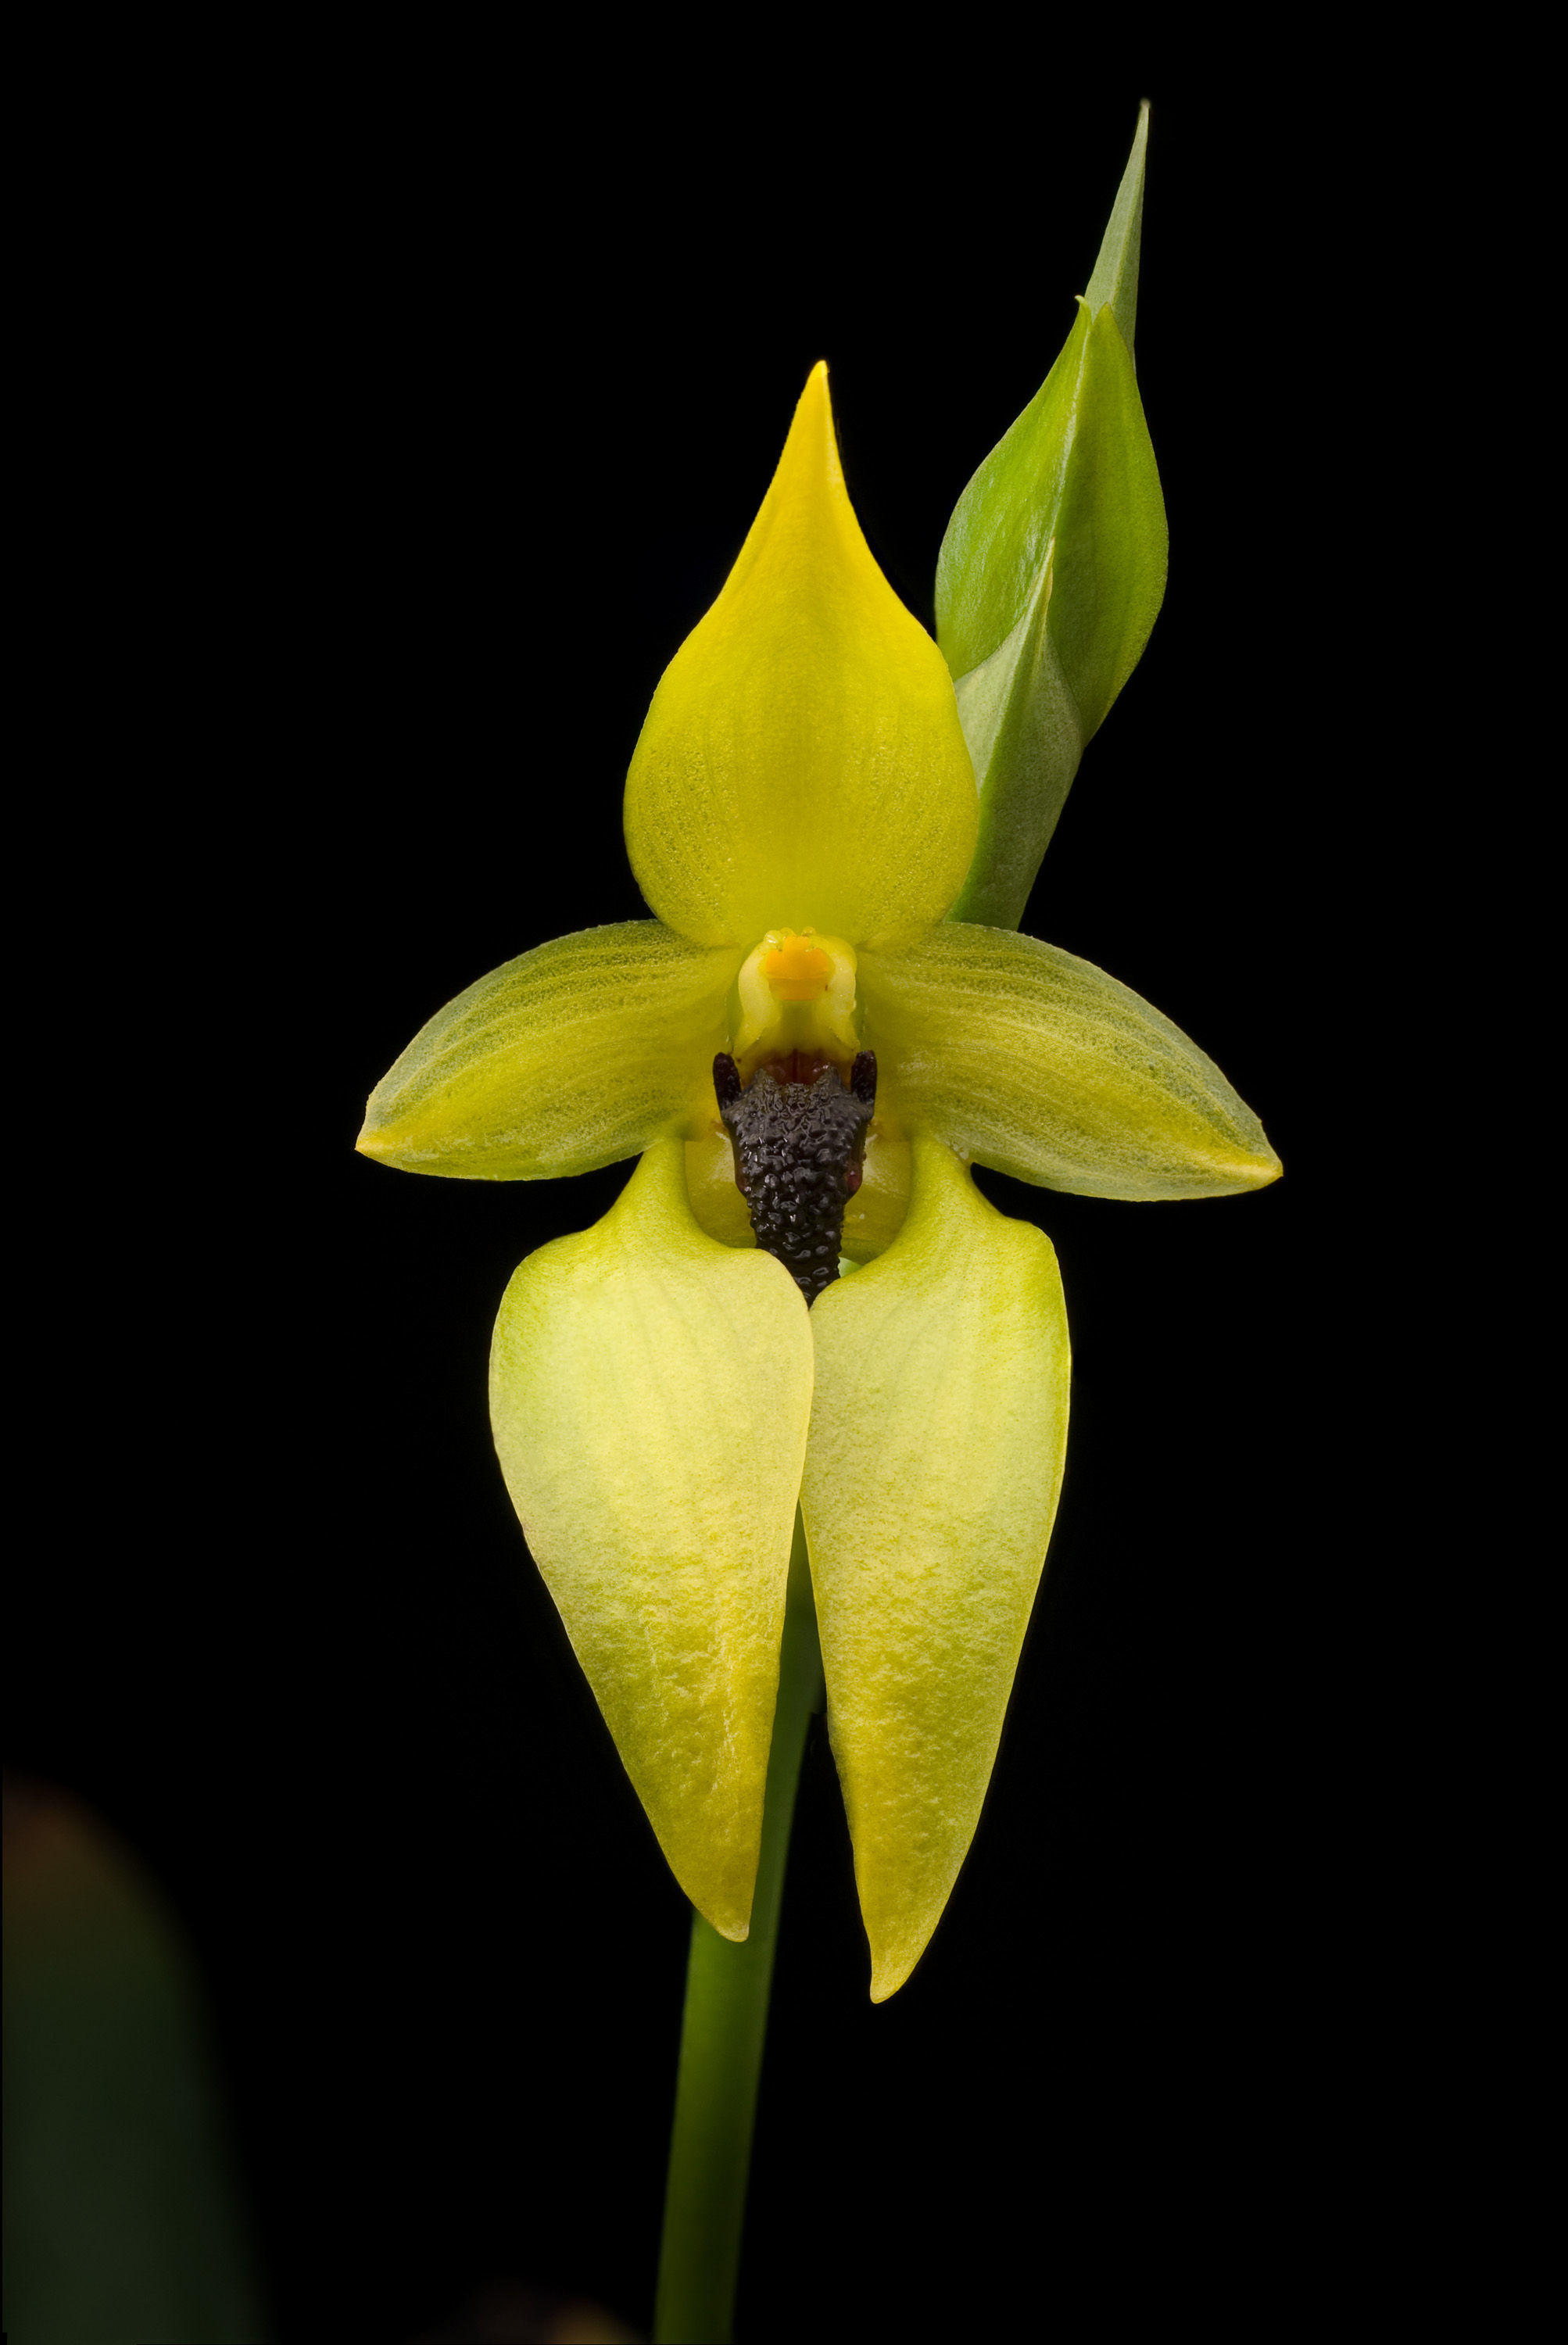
1052 572
1026 737
1115 277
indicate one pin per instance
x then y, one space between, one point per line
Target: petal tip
811 448
387 1143
890 1974
401 1145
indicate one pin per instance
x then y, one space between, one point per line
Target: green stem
727 1989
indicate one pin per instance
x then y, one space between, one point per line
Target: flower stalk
727 1987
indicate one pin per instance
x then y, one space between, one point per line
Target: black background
399 425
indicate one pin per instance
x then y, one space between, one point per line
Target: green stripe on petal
650 1391
576 1055
1024 1057
802 763
939 1426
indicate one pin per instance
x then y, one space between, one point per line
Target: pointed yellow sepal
802 763
650 1391
939 1425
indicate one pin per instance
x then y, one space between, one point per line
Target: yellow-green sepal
802 764
939 1427
578 1054
650 1392
1025 1058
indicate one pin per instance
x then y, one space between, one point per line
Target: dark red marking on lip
799 1132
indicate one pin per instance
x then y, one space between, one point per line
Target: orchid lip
799 1141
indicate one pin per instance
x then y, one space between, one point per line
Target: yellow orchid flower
800 1015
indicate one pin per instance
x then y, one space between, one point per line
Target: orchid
794 1412
801 813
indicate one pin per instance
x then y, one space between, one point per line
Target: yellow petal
939 1423
577 1054
802 764
650 1391
1024 1057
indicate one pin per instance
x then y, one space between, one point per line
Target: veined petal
574 1055
939 1425
802 763
1024 1057
650 1391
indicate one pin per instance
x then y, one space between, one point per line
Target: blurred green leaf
1052 572
121 2210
